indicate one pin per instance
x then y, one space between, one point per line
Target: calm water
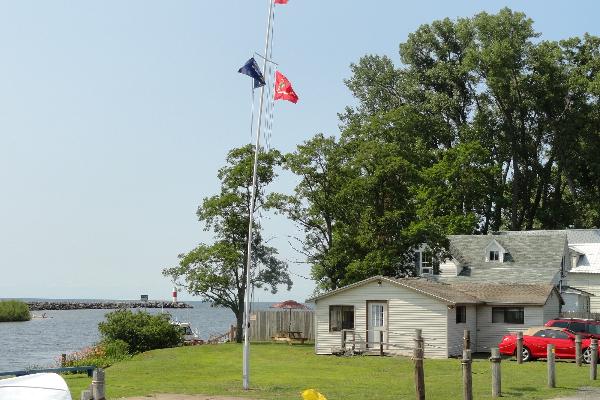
39 342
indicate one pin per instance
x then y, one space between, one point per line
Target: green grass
282 372
14 310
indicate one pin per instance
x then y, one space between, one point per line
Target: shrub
102 355
14 310
116 349
140 330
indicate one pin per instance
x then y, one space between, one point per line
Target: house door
377 318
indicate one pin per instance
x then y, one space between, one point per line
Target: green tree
483 127
216 272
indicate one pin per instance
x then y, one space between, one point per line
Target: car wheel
587 355
526 354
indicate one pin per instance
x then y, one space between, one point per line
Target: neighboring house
443 311
515 256
584 245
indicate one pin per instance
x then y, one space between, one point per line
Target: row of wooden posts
495 360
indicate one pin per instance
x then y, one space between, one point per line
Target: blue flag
252 70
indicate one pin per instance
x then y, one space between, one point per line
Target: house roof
577 236
589 262
533 257
508 293
464 293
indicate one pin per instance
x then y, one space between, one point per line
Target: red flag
283 89
281 1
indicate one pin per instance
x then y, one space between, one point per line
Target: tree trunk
239 333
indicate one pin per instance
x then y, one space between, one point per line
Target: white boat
189 336
45 386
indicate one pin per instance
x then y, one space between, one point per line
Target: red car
536 341
585 327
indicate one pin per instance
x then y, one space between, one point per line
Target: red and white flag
281 1
283 89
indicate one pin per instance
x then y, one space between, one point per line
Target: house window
341 317
494 255
426 263
508 315
461 314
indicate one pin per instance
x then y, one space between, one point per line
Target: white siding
407 310
448 268
456 331
552 307
489 334
590 283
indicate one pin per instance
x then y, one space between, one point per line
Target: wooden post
98 384
467 339
353 341
594 361
232 333
381 343
419 373
578 356
343 340
467 377
495 359
551 366
63 360
519 347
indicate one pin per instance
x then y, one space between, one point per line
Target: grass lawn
279 371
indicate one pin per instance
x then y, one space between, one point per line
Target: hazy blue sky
115 116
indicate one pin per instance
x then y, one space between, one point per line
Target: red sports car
536 341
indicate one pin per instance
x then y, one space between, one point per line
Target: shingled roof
464 293
532 257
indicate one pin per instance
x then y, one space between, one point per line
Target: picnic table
290 337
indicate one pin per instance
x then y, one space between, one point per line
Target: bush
101 355
116 349
14 310
140 330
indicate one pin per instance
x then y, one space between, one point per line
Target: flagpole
246 352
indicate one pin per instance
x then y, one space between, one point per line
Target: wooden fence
583 315
265 324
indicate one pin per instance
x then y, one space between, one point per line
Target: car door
537 343
564 344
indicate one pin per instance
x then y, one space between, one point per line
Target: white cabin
382 307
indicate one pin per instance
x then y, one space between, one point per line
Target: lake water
40 342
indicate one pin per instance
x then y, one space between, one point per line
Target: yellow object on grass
312 394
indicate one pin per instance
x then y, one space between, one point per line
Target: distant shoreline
101 305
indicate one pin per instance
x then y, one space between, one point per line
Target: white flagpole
246 356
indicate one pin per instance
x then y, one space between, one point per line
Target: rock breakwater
101 305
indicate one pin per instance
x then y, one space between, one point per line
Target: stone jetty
102 305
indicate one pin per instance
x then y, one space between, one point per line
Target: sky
116 115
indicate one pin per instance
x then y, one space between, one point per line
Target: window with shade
508 315
341 317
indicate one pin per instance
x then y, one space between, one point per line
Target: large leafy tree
484 126
216 272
